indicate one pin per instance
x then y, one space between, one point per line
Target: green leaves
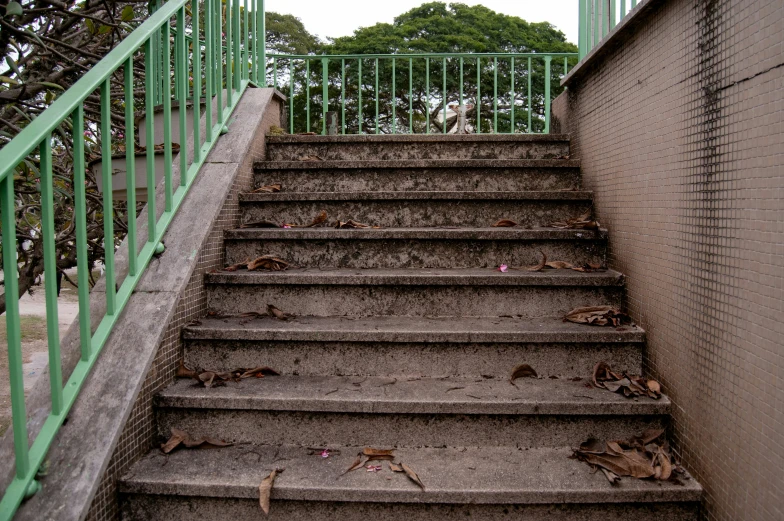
14 9
127 13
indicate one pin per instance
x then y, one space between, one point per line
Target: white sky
342 17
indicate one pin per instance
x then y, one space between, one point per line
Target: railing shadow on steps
231 61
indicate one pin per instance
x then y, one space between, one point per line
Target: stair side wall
678 125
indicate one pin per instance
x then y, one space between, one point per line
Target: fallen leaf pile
646 456
265 262
370 454
598 316
268 189
218 378
563 265
583 222
628 385
265 489
180 437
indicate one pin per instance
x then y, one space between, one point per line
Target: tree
287 35
436 27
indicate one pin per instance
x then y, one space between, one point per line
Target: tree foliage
437 27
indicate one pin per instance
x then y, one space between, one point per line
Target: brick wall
139 434
680 130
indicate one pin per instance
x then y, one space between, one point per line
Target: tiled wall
139 434
680 131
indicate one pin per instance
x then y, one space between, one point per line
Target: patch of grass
33 328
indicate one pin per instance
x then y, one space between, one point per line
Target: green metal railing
412 93
232 55
597 18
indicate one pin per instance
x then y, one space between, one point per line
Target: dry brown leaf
583 222
275 312
216 378
351 223
395 468
541 264
184 372
180 437
268 189
630 385
412 475
612 477
505 223
369 451
312 158
522 371
559 265
235 267
267 262
598 316
319 219
265 490
358 463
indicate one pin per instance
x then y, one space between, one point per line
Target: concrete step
417 209
395 147
452 175
412 292
328 410
416 247
484 483
403 347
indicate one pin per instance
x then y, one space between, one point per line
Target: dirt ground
32 310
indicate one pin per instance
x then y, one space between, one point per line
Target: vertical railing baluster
307 94
597 22
130 168
427 94
196 90
218 36
612 14
393 98
237 54
513 96
443 70
623 9
359 95
343 95
181 70
530 106
547 74
375 92
149 128
246 43
13 328
478 106
274 71
108 208
255 46
581 32
605 17
229 56
50 275
262 37
324 93
209 68
566 65
80 221
460 104
410 95
495 95
167 132
291 96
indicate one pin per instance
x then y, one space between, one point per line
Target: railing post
547 74
324 93
263 29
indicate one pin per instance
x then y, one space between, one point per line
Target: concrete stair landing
404 337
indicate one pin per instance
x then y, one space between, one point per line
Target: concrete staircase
405 337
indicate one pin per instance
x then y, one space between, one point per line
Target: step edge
337 164
433 195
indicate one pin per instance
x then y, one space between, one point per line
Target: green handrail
244 57
297 69
597 18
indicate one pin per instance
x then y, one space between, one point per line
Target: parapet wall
679 124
